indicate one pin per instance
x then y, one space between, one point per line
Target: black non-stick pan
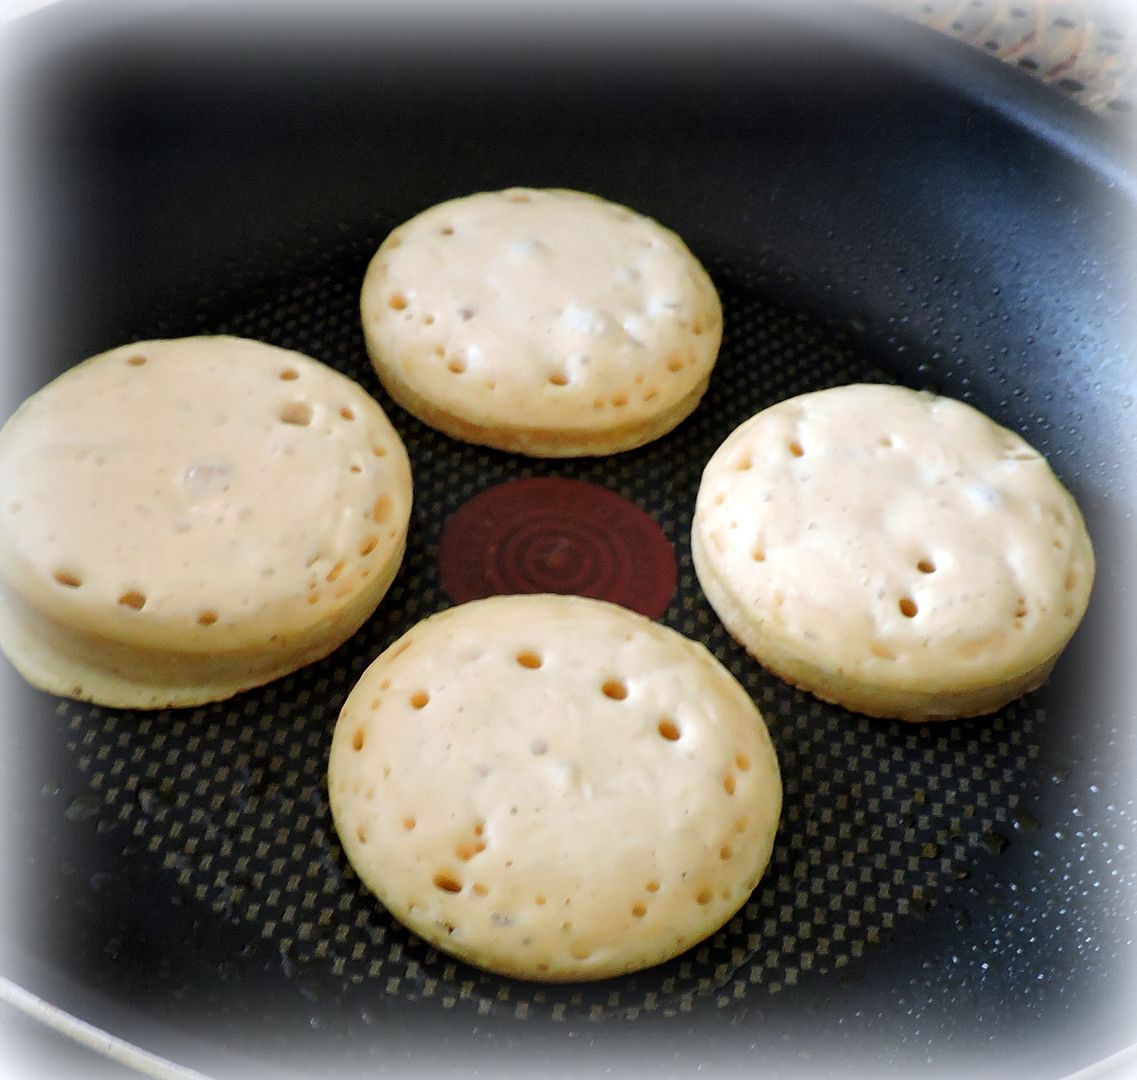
874 203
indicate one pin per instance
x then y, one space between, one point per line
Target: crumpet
894 552
545 322
553 787
185 519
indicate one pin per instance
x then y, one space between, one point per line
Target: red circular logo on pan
556 535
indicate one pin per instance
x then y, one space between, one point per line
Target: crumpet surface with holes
553 787
545 322
184 519
892 551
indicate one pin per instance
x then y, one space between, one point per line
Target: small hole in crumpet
297 413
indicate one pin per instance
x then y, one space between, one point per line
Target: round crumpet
553 787
893 552
545 322
185 519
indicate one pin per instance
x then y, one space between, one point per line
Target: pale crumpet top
185 518
891 550
554 787
547 322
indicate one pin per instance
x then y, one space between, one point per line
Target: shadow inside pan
957 894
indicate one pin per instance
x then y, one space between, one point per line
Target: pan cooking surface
878 815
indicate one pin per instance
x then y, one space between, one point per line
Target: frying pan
873 202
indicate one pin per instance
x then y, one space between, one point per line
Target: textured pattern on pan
877 815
